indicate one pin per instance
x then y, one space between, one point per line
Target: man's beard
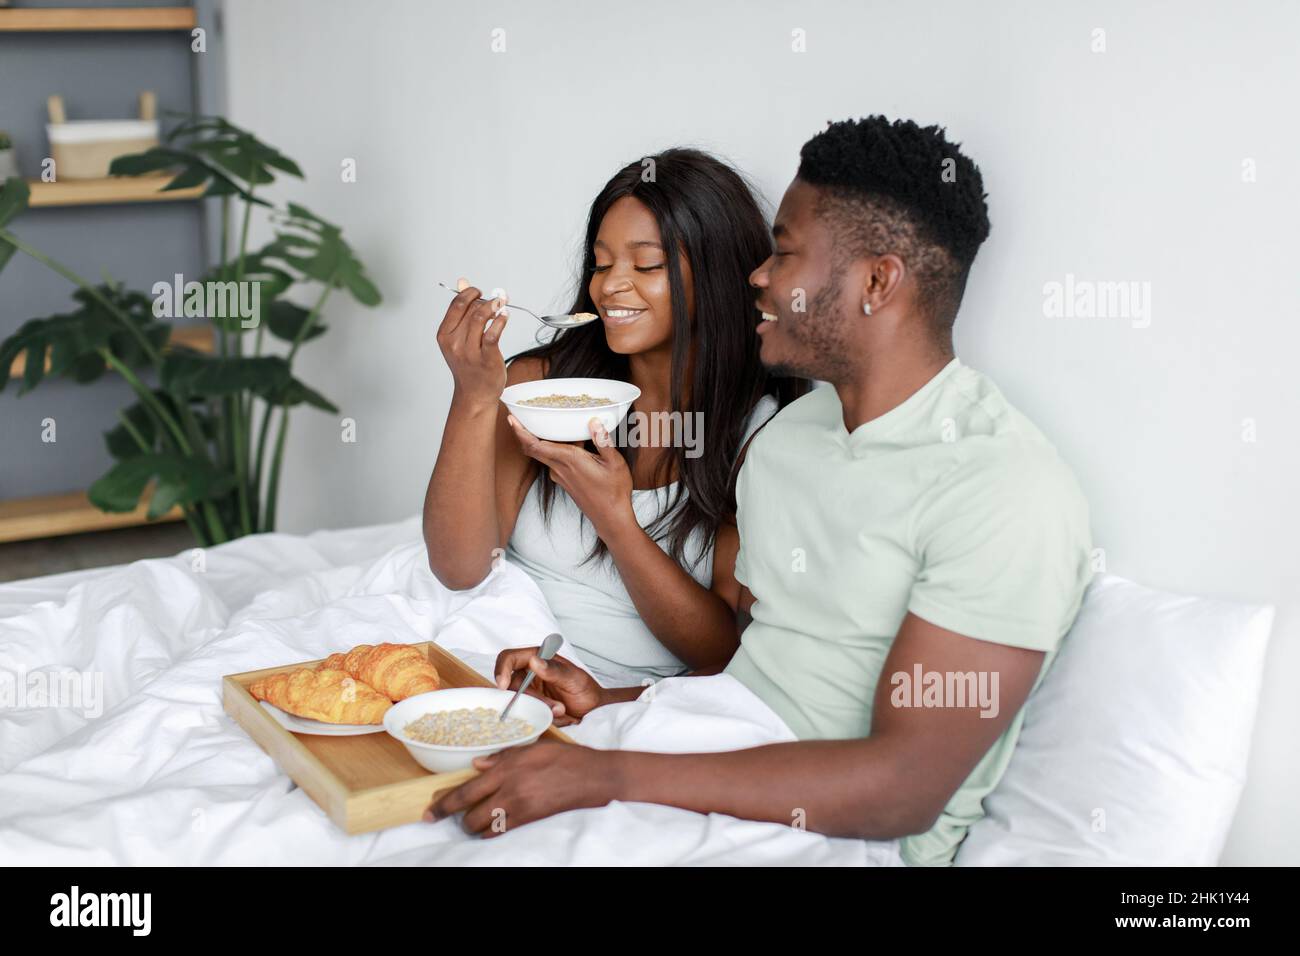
820 336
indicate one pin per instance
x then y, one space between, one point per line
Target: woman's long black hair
707 211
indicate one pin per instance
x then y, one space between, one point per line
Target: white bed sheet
163 776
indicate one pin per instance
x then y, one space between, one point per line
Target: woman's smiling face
630 282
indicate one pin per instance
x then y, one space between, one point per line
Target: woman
633 547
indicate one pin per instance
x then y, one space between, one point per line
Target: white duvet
144 767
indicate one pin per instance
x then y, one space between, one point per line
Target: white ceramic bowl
569 424
439 758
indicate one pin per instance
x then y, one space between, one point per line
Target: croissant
398 670
333 696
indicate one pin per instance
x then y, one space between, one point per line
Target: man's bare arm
892 783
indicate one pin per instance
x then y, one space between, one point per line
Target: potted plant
207 431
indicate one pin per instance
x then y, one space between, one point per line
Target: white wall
1122 165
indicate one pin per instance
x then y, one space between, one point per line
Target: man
912 550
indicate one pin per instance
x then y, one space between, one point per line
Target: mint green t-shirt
952 506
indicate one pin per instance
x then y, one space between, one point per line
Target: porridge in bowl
467 727
567 401
446 729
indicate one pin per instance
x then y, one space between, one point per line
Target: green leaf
316 257
180 481
271 281
352 275
194 170
285 321
93 326
194 123
188 373
309 220
158 334
223 187
189 177
299 393
269 377
121 444
7 249
34 370
86 369
72 337
209 425
274 280
120 489
14 196
316 249
150 161
283 163
8 352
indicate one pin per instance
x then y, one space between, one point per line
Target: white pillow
1134 747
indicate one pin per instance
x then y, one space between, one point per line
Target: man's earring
866 308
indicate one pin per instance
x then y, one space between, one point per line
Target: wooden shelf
52 515
192 336
95 19
112 189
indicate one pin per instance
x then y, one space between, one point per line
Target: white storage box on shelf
83 149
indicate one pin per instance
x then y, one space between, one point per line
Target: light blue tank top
589 601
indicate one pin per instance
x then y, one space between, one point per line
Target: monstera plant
199 435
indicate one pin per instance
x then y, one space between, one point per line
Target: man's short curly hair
901 188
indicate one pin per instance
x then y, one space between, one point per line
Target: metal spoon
565 321
546 652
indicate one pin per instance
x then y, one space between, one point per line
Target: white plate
304 725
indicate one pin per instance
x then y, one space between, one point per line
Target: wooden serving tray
363 783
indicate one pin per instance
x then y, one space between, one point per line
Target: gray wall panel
99 76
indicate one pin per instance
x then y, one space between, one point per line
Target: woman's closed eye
638 268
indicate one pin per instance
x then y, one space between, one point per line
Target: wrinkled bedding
114 748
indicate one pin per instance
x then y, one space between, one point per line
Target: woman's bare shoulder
529 368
